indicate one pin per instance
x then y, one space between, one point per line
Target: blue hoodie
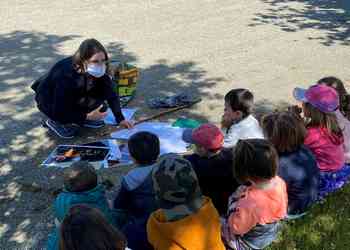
93 198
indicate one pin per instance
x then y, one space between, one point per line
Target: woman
75 89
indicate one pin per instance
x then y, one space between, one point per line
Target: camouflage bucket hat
175 182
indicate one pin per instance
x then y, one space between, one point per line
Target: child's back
327 148
259 205
186 220
212 164
297 165
342 113
135 200
255 210
215 177
94 198
324 136
80 187
300 172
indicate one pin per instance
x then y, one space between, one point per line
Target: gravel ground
204 46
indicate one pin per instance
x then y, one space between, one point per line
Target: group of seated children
231 193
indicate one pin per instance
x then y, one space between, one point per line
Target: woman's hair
318 118
240 100
285 130
255 159
87 49
344 97
144 147
85 228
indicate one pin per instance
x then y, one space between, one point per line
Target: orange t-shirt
259 206
199 231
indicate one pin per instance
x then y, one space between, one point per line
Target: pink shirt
259 206
344 124
327 148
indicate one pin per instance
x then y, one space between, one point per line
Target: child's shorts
332 181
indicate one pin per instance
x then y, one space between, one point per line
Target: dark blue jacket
300 172
64 95
215 177
137 197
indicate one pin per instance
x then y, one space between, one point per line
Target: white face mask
96 70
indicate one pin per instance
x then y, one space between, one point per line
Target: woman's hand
96 115
126 124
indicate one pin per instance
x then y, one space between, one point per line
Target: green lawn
327 226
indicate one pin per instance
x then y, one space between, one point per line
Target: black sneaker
63 131
93 124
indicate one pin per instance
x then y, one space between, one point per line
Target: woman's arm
112 97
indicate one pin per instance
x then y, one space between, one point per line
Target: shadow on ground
25 195
331 17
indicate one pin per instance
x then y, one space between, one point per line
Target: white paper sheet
115 153
170 137
128 114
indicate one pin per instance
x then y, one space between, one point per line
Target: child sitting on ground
186 219
324 136
80 187
297 165
85 228
344 97
136 197
343 113
212 164
238 121
255 210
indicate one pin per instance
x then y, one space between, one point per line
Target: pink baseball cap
207 135
320 96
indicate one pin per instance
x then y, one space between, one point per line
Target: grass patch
326 226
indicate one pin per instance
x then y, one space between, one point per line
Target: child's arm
232 201
121 201
242 220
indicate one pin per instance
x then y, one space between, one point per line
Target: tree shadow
25 188
331 17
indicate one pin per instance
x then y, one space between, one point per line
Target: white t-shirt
248 128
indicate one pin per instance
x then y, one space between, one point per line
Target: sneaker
93 124
63 131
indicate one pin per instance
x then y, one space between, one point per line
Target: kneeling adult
74 90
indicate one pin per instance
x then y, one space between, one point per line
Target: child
186 219
297 165
237 121
212 164
80 187
344 97
136 196
343 113
324 136
255 210
85 228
